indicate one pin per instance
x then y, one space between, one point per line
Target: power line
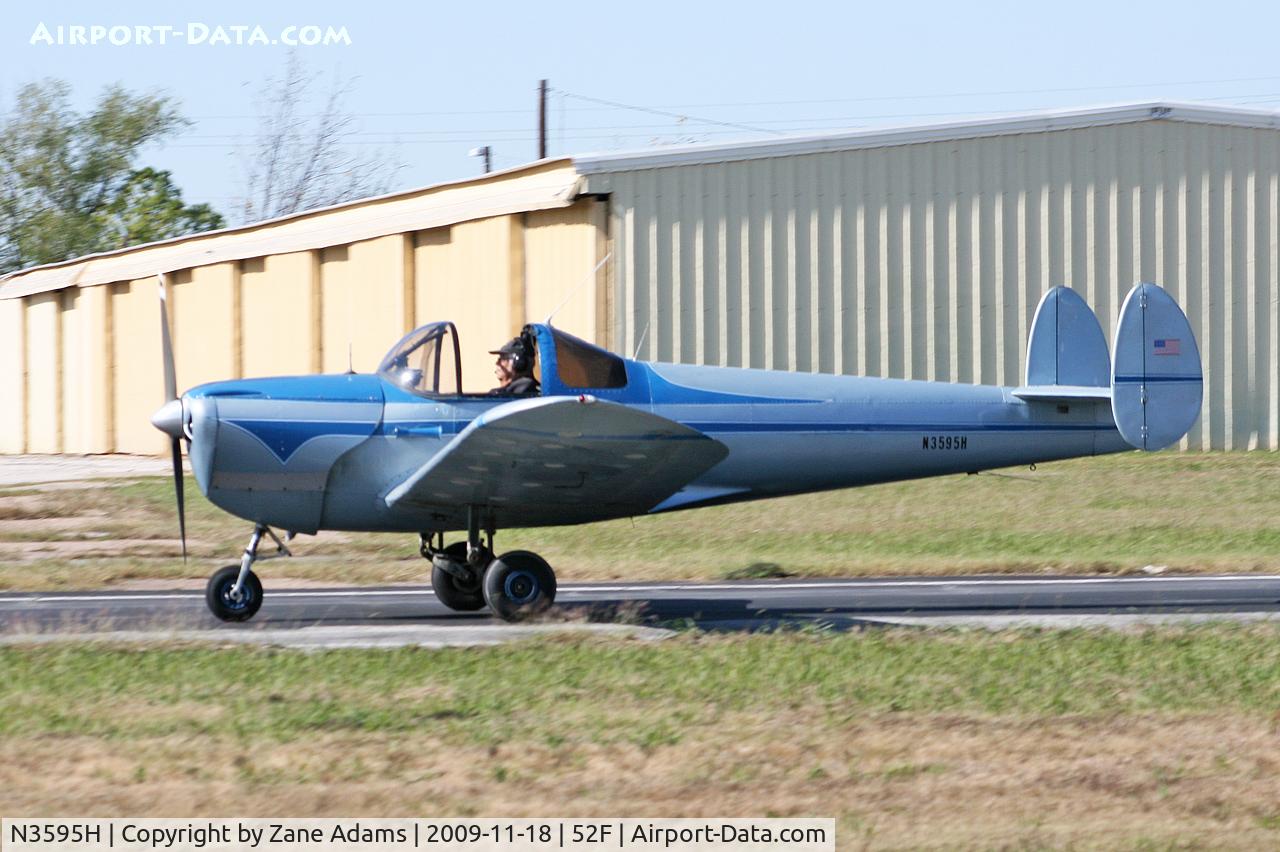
660 109
979 94
603 105
791 123
675 115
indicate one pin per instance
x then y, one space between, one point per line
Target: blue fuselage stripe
764 427
722 427
1145 379
284 437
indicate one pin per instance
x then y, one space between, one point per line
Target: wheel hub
234 599
521 587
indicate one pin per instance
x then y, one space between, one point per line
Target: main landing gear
465 575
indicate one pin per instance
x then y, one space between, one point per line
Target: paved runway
412 615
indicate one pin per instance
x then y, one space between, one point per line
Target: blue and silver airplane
403 450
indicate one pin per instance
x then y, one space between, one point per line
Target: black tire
519 584
451 591
218 595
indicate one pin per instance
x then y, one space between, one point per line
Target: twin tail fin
1154 383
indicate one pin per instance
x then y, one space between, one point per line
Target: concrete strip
1071 621
23 470
332 637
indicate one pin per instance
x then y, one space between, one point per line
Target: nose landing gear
234 593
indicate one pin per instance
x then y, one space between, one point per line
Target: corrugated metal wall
927 260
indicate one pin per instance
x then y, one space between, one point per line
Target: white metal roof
1031 122
538 186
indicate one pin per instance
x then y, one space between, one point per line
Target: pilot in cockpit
514 368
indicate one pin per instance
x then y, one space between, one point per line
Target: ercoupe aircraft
406 450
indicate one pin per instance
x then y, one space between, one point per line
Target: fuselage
322 452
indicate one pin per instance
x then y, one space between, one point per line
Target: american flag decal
1167 346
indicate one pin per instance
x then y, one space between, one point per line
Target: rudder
1156 379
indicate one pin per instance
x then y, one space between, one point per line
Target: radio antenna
640 342
590 275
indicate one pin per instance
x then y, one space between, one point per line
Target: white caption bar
394 835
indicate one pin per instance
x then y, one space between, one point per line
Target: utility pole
542 119
484 151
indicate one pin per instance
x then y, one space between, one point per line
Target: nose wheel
227 602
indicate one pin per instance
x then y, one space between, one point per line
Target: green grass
1188 512
647 694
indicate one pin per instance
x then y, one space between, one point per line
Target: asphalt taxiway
411 615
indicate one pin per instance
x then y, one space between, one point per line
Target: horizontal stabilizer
1061 393
1156 380
1066 346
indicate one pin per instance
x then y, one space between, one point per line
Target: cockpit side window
581 365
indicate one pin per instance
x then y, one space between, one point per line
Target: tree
298 161
149 207
69 184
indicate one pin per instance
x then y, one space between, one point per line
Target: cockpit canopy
427 361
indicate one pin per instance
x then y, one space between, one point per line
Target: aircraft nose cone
168 419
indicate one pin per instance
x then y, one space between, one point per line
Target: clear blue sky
434 80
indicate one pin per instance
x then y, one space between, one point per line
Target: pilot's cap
514 346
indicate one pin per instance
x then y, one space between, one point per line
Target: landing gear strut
234 593
465 576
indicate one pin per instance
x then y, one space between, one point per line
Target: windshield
425 361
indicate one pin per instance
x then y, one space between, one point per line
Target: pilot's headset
523 356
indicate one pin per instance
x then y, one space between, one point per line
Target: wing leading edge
561 460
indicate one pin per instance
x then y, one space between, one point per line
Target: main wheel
227 607
453 592
519 584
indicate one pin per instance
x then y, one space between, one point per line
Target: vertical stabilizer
1066 346
1156 379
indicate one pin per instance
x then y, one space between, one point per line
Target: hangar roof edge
1001 125
540 185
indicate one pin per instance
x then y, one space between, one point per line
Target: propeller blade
166 342
180 492
171 394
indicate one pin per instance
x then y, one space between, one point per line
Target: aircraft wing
562 459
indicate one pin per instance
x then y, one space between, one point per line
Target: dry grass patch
1154 738
905 781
